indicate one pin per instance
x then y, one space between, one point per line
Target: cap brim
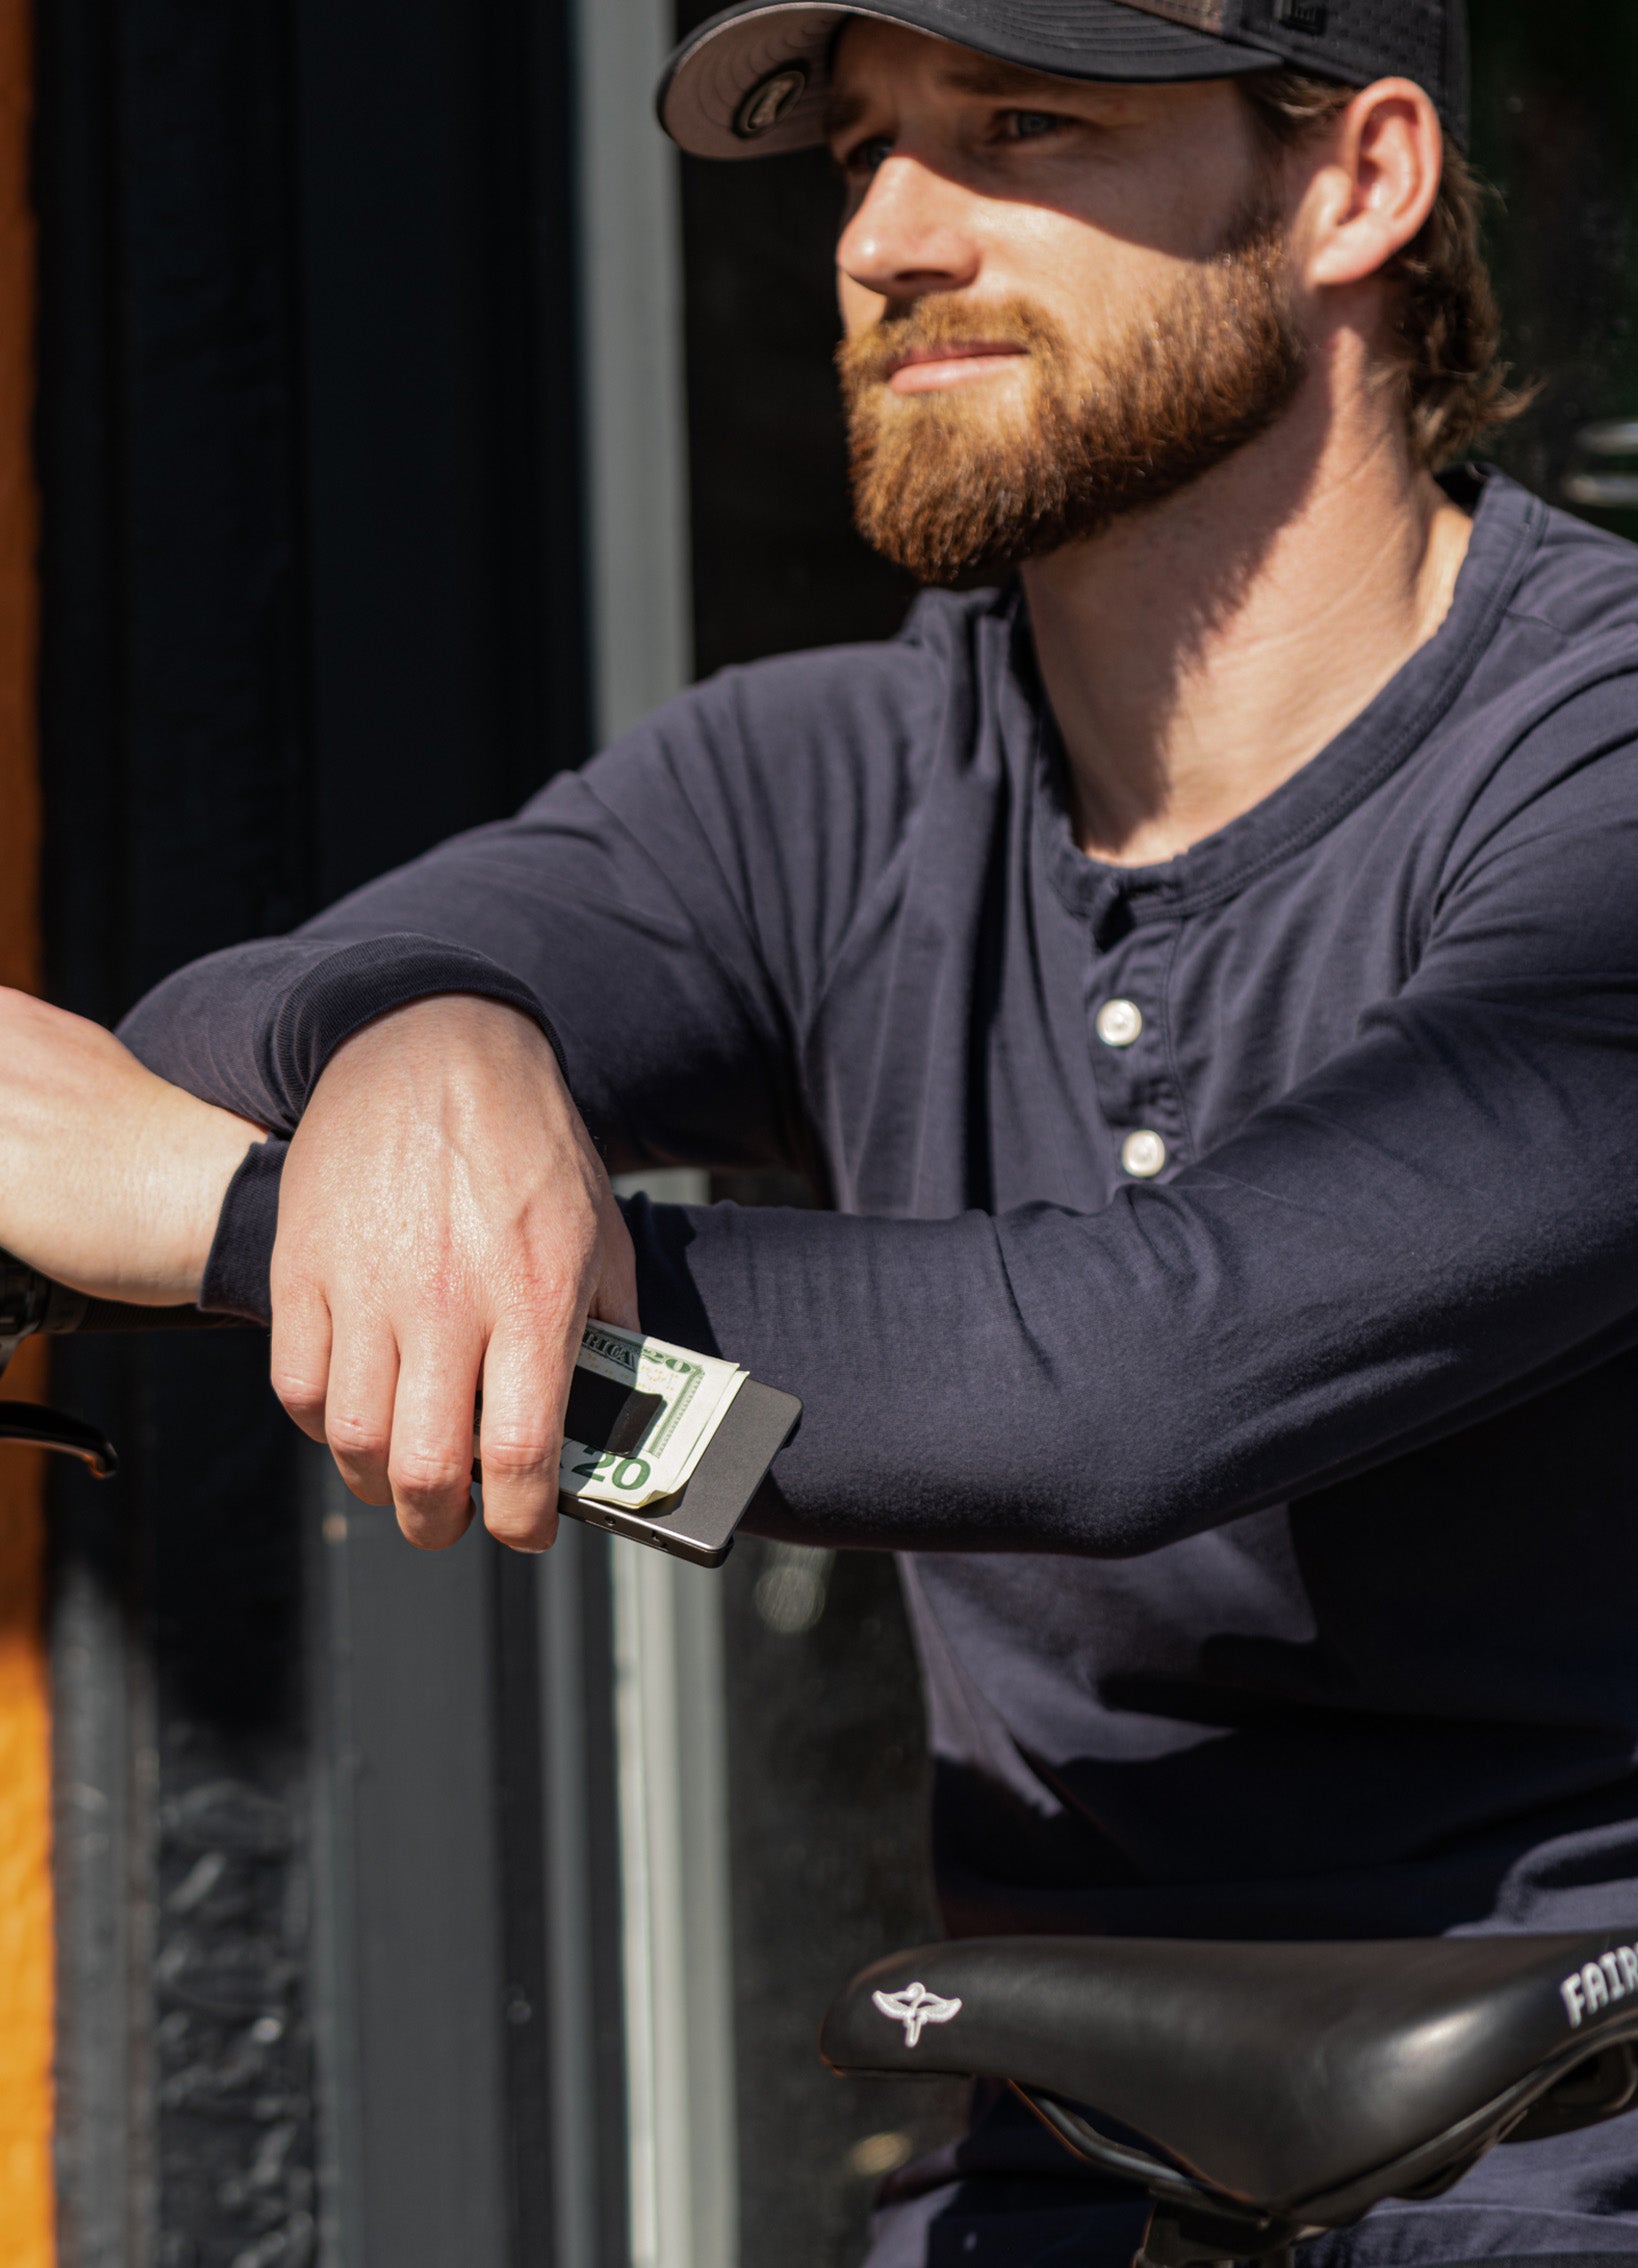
755 79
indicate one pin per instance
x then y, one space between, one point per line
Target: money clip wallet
606 1414
698 1523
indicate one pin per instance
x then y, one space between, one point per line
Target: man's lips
930 369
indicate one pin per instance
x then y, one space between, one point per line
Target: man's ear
1374 184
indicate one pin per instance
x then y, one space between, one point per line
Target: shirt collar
1507 526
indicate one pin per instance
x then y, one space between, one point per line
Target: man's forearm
603 912
1271 1323
110 1179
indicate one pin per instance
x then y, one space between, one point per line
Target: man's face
1063 299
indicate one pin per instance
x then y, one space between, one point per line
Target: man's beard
957 491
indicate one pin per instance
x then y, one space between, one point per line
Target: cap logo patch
1302 15
768 101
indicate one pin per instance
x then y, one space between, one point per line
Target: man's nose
910 235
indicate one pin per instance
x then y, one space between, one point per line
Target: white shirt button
1120 1022
1143 1155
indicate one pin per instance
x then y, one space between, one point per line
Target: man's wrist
237 1271
352 986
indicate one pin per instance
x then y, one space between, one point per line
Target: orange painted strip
27 2200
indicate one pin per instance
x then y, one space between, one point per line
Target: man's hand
445 1225
110 1178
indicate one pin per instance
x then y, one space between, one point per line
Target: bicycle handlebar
32 1306
109 1315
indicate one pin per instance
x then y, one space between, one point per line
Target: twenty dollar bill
655 1451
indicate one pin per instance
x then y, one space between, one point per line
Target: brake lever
29 1304
32 1425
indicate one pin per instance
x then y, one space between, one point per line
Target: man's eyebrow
971 75
988 75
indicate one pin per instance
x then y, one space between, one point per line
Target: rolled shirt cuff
357 984
299 1000
241 1256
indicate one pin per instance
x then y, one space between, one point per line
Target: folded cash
641 1415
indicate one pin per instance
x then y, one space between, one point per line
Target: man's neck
1198 655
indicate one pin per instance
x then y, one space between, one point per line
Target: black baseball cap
754 79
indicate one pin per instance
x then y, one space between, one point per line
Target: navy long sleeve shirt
1230 1307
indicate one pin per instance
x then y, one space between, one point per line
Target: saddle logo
915 2008
1611 1977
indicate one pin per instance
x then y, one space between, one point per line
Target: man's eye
869 156
1031 125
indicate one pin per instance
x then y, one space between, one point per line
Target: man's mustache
947 321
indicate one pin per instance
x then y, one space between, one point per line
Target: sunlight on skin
111 1179
962 176
1199 653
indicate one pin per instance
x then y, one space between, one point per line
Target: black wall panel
308 449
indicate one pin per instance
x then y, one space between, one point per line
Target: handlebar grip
110 1315
31 1303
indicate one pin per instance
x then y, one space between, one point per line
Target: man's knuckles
519 1457
360 1440
297 1377
423 1473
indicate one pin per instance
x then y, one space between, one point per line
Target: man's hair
1449 326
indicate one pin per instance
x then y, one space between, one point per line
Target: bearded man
1199 960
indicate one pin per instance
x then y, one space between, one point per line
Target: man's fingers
452 1212
431 1462
301 1355
615 1300
527 1374
525 1388
359 1407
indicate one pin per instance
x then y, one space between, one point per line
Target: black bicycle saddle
1296 2084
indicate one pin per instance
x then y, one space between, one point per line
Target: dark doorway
309 453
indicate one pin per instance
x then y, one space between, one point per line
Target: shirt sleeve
1438 1224
666 914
